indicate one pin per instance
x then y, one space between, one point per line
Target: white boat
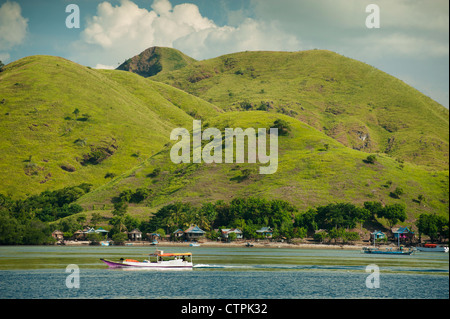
194 244
433 248
157 260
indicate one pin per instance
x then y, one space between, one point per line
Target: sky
411 43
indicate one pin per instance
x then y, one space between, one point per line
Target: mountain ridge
155 60
356 104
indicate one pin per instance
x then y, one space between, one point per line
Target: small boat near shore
387 251
433 248
157 260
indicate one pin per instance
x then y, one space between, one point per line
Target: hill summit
155 60
354 103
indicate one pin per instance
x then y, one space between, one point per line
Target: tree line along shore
34 219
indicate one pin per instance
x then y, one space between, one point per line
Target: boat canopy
171 254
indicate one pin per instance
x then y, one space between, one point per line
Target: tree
432 226
307 220
249 231
120 209
155 172
131 222
76 112
282 126
81 219
232 237
420 199
320 236
140 194
1 66
119 238
95 238
397 192
96 218
300 232
375 208
125 195
10 228
340 215
161 232
394 213
336 233
371 159
351 236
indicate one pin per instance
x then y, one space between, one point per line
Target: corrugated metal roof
194 229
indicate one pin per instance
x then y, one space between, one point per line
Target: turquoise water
39 272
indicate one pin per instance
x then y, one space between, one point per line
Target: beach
235 244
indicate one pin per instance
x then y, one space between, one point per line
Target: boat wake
222 266
357 268
271 267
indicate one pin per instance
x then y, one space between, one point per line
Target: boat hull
148 265
439 249
387 252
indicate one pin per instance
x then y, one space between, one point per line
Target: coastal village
194 234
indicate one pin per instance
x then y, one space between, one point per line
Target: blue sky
411 43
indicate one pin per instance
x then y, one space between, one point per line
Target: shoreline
213 244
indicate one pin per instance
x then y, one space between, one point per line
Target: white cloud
251 35
119 32
13 27
104 67
413 35
118 25
412 31
4 57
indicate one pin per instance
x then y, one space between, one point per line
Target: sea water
39 272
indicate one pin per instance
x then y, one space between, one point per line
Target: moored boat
388 251
433 248
157 260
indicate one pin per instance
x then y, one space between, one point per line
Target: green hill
63 124
155 60
314 169
352 102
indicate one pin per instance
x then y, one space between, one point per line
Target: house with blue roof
194 232
267 232
403 233
378 234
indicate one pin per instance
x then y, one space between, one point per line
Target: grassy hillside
63 124
155 60
352 102
313 170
